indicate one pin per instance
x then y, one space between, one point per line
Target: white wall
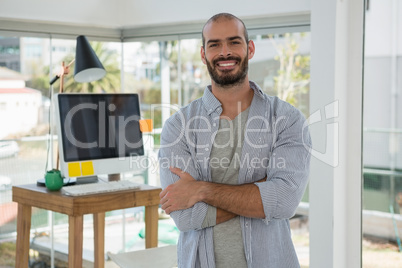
103 13
129 13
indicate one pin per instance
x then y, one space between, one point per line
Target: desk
28 196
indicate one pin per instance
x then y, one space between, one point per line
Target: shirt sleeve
175 152
281 193
210 218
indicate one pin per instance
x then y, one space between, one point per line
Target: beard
226 79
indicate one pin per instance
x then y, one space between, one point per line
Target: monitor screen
98 133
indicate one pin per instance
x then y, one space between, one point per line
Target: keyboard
100 187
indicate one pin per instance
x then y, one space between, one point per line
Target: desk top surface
41 197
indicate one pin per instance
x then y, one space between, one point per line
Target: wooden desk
28 196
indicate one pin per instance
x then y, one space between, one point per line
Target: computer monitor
97 134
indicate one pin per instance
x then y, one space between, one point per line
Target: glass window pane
194 74
281 66
142 75
382 133
24 128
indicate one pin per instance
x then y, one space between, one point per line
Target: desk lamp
88 68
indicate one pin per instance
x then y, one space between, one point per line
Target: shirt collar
211 103
256 88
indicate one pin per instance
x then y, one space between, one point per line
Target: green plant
7 254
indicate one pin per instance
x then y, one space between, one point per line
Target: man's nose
225 51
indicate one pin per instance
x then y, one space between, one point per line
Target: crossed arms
230 200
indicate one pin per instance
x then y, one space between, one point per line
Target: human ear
203 55
251 49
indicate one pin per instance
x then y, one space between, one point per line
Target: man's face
226 52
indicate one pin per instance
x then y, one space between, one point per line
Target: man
234 164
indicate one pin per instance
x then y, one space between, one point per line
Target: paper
87 168
74 169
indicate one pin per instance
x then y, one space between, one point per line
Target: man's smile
226 64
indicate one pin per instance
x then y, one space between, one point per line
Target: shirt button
246 224
214 124
206 149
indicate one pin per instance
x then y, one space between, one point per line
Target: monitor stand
85 180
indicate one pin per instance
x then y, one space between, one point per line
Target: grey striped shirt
276 145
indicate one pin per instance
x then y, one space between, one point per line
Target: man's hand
181 194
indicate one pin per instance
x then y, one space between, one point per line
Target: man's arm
244 200
223 215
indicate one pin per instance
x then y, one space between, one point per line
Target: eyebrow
229 38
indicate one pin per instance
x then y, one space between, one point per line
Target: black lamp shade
88 67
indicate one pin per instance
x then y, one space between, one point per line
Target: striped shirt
276 145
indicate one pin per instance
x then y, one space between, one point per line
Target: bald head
222 17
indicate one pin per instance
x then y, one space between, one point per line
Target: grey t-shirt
225 163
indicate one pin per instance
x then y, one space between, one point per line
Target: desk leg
23 235
75 240
151 226
99 239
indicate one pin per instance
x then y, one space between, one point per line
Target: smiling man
234 164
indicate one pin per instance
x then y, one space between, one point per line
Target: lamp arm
64 70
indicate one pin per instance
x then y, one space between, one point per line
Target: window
382 137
